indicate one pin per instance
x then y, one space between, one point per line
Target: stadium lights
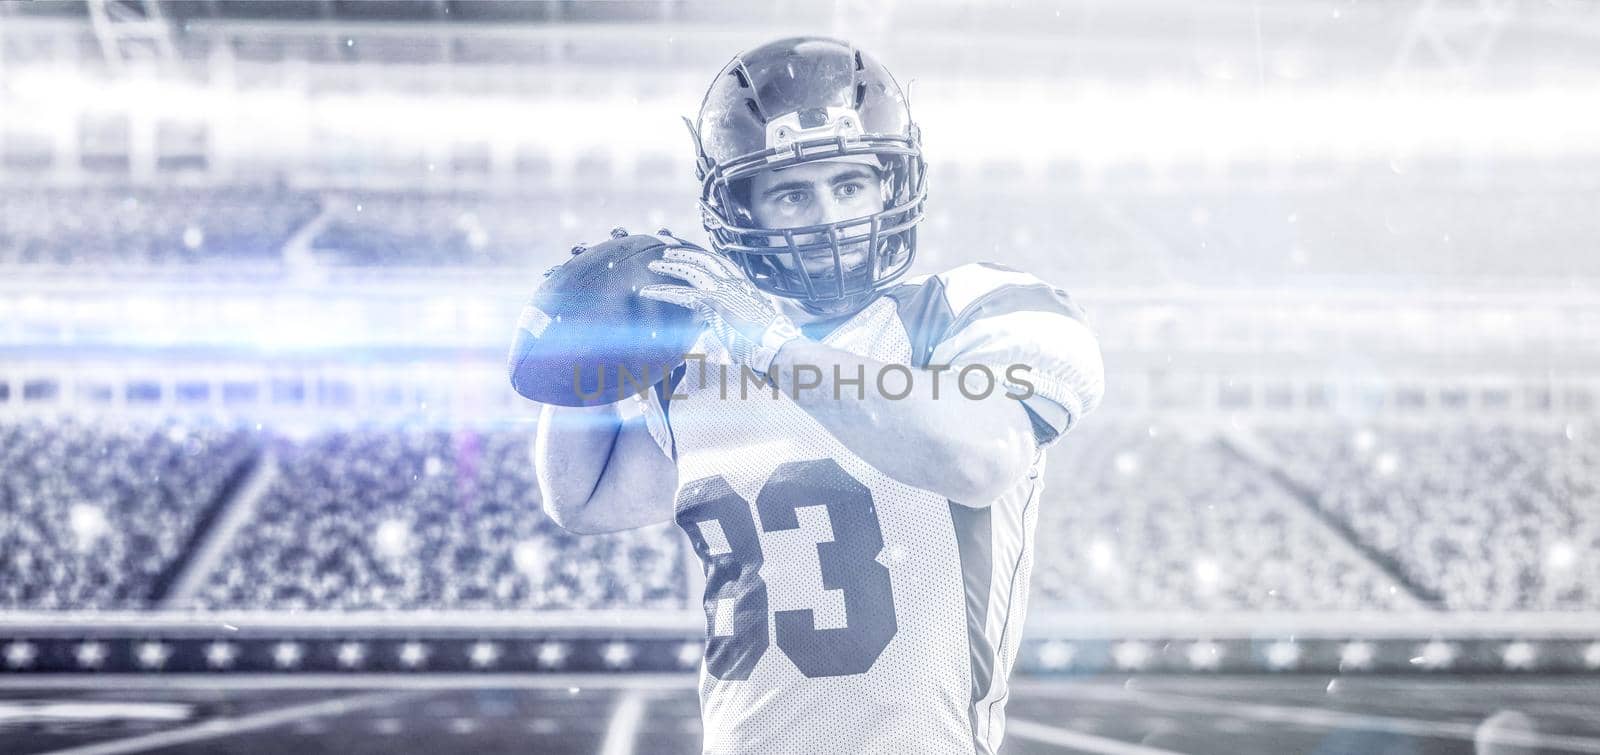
91 654
552 654
1436 655
350 654
1102 556
1131 655
689 654
483 654
20 654
1205 655
1283 654
617 654
152 655
414 654
287 655
1144 654
1356 656
221 655
1519 655
1056 655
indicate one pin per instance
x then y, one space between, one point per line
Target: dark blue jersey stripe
925 312
1043 432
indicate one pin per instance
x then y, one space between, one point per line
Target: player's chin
839 306
852 261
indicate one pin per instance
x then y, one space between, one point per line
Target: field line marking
357 681
1323 718
623 729
1055 735
225 727
46 709
1465 697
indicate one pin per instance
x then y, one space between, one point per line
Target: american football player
867 548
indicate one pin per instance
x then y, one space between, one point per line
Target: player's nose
826 211
833 211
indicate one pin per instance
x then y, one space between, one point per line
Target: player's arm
601 471
968 450
934 438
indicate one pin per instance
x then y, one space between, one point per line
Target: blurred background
260 263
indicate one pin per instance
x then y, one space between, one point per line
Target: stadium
264 486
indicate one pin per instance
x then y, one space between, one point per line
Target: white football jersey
846 611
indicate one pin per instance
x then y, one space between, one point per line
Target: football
586 338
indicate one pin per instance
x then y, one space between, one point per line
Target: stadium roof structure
1470 41
315 11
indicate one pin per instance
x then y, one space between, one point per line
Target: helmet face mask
831 260
797 102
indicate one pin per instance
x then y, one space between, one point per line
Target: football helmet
804 100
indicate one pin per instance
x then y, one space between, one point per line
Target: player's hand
747 323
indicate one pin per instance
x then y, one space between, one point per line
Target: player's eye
791 200
849 190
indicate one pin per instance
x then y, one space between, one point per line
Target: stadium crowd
381 519
95 516
1134 517
152 227
1146 518
174 226
1489 517
397 229
1133 228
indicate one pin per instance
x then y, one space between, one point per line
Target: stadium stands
1135 517
175 226
407 519
1490 517
1142 518
156 227
411 229
1129 231
96 516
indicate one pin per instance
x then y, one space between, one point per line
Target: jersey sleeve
655 408
1031 335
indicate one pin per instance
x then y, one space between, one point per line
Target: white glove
738 314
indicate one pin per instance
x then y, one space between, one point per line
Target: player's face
815 193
